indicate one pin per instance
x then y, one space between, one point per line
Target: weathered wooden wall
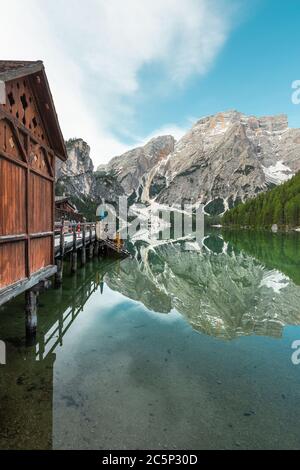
27 169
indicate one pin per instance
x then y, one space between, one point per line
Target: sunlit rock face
222 293
78 168
133 168
226 158
76 176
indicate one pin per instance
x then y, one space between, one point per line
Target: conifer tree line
280 205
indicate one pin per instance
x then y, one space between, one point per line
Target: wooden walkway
73 237
113 246
71 241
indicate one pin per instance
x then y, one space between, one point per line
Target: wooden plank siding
27 169
41 204
12 198
40 253
12 262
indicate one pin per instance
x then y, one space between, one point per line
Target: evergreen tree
280 205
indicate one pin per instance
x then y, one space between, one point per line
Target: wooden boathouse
30 142
33 245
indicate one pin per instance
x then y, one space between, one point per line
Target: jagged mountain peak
149 149
223 159
132 168
76 179
227 157
79 160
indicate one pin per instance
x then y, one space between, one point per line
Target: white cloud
94 52
169 129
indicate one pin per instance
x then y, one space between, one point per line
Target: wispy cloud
94 52
169 129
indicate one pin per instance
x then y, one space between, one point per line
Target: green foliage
86 206
110 175
280 206
210 220
59 188
279 251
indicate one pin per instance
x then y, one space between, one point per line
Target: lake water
182 347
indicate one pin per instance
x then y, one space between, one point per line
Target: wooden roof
63 199
35 71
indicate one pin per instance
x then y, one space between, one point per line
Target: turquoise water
182 347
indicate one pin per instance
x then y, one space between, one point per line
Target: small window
24 101
11 99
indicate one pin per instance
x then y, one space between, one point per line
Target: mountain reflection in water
220 290
118 361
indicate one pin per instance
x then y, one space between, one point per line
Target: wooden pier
74 245
73 238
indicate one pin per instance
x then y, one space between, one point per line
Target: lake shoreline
279 229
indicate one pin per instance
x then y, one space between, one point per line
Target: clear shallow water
177 348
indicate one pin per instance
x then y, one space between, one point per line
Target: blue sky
253 72
122 71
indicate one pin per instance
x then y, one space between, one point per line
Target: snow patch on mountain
278 173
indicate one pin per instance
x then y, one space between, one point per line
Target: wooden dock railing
71 236
70 240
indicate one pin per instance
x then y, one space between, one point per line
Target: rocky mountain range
227 158
223 159
133 169
76 177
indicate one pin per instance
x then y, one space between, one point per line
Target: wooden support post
96 249
102 249
31 315
73 262
83 251
74 237
59 261
91 251
62 239
59 273
74 252
83 256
